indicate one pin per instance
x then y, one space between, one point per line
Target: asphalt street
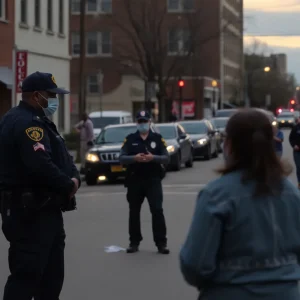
101 221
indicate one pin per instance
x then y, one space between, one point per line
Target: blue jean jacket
236 239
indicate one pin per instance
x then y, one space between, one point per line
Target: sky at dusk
277 24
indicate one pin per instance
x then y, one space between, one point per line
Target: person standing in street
294 139
38 181
144 153
86 129
278 140
244 239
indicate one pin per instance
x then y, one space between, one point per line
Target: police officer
38 181
144 153
294 139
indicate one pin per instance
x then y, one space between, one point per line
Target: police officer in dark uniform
144 153
38 181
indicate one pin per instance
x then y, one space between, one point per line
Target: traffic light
293 102
181 83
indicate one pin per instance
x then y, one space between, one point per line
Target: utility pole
82 83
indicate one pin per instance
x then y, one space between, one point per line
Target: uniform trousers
138 190
36 255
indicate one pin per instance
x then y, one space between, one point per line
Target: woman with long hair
244 241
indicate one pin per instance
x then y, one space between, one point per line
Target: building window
23 12
61 12
61 113
75 44
178 41
3 9
99 6
37 13
93 84
98 43
50 16
181 5
75 6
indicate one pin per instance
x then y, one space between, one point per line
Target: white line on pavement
95 195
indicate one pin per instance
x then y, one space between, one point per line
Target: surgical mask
143 127
53 104
52 107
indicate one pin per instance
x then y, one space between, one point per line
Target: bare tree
281 87
158 46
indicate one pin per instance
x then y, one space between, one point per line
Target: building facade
41 29
212 73
7 17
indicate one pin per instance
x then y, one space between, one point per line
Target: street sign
21 69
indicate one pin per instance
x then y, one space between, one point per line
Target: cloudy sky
276 23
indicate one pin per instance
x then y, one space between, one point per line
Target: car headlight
290 121
171 149
274 123
282 121
202 141
91 157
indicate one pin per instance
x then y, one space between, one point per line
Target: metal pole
214 101
82 82
14 88
146 95
246 82
180 103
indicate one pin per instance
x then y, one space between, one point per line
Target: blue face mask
52 107
143 127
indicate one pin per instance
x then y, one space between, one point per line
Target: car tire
177 165
208 155
190 162
91 180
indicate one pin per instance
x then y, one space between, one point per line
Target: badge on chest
153 145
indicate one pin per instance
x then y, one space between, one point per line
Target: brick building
111 86
40 31
7 18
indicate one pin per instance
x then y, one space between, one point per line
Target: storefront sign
21 69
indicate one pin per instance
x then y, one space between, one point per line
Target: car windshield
225 113
101 122
114 135
285 115
220 123
194 128
167 132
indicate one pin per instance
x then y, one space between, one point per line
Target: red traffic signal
180 83
293 101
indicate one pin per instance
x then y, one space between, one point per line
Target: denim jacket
238 239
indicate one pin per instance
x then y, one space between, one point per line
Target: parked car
270 115
227 113
204 138
220 125
105 118
180 146
286 119
102 161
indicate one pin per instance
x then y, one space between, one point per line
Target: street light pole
82 89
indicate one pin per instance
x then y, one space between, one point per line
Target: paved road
101 220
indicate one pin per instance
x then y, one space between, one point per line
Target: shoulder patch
35 133
125 140
164 142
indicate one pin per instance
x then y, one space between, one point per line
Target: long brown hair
250 134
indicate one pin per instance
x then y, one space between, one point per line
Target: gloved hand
69 205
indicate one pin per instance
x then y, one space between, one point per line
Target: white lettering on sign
21 69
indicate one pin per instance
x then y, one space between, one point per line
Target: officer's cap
39 81
143 115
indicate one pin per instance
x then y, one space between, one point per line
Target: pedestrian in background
144 153
244 241
278 140
294 139
86 129
38 181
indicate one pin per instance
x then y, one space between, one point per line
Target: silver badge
153 145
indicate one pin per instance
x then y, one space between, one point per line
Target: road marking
95 195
